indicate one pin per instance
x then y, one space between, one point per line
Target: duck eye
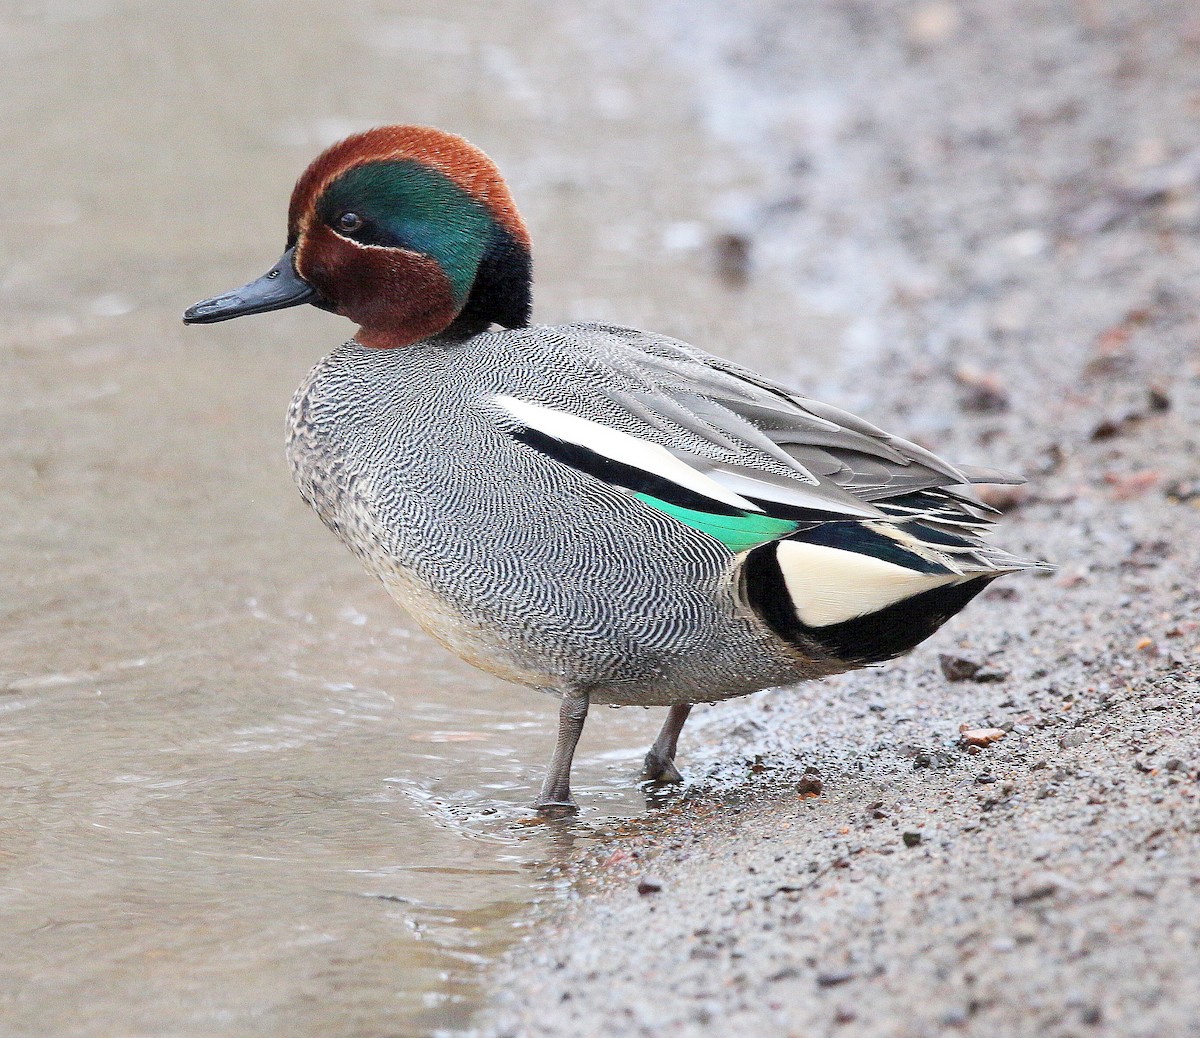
349 222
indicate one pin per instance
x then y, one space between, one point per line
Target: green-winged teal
599 512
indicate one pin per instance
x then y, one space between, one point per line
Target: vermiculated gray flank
535 570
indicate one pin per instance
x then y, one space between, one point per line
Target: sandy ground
998 201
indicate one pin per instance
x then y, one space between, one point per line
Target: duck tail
864 591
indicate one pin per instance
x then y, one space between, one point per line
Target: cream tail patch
828 585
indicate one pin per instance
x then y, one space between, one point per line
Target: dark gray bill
278 288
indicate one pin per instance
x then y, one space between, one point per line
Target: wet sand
999 206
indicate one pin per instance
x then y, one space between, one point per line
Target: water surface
243 793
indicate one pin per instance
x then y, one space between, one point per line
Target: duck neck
502 291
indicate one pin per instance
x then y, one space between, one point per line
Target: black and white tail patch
858 607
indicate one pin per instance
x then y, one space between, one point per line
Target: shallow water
243 793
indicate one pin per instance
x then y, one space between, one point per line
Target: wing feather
752 438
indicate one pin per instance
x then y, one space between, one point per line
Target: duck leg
660 761
555 801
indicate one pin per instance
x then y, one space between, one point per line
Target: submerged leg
660 761
555 800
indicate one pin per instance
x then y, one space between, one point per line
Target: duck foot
659 765
556 808
657 768
555 800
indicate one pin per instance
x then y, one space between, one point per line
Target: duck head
406 230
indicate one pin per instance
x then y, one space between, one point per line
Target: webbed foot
659 765
556 808
658 768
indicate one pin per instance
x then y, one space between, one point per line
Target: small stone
911 839
733 258
834 978
809 786
958 668
981 736
984 779
984 391
1073 739
1041 885
1108 428
844 1015
648 885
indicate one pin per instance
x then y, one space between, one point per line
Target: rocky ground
1001 203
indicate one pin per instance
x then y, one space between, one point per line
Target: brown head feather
451 155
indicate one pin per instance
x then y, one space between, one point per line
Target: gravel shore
1000 205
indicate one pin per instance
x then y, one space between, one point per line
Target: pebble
833 978
984 391
733 258
1072 739
911 839
809 786
648 885
981 736
1041 885
959 668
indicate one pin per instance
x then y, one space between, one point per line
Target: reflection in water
242 795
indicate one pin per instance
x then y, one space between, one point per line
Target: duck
606 514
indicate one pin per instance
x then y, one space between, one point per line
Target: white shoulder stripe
828 585
620 446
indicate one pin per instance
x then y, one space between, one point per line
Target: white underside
828 585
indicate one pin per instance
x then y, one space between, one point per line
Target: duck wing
735 454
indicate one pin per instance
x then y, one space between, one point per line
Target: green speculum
736 532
